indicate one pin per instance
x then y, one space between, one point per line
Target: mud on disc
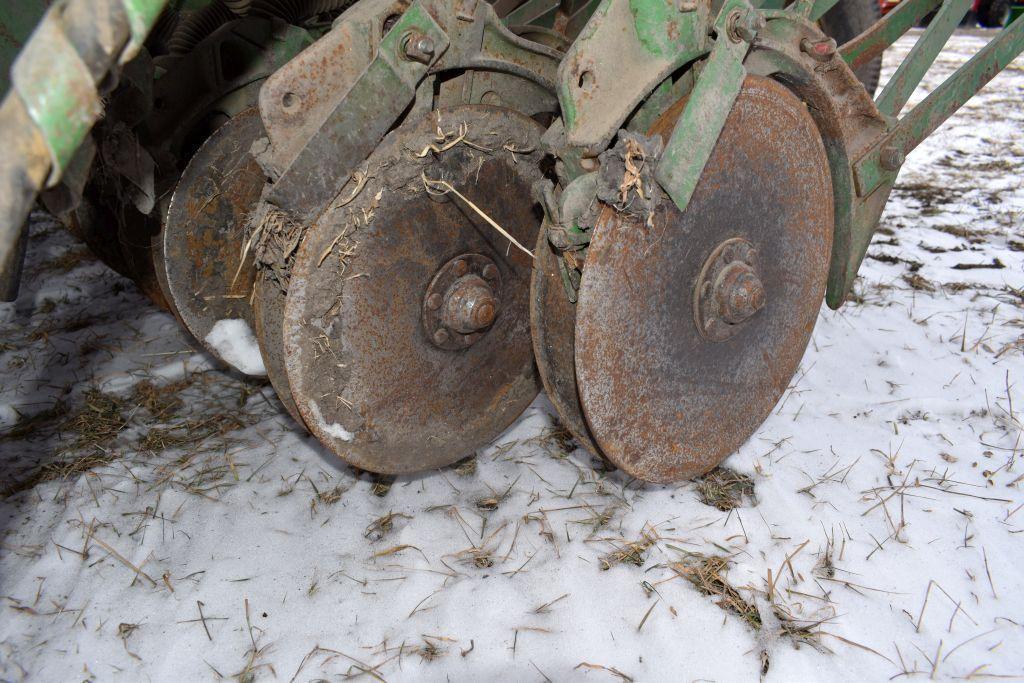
689 331
406 325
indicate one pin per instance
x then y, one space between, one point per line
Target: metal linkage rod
901 86
885 157
54 102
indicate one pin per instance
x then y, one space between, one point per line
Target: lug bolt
418 48
740 293
892 158
434 301
744 25
441 336
460 268
490 271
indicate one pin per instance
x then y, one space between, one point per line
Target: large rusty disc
664 399
385 284
552 323
207 273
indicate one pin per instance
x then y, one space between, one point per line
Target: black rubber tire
846 21
994 13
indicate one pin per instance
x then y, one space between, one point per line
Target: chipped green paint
657 26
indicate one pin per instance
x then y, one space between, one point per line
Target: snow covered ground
165 521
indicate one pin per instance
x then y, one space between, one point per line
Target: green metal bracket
875 172
371 106
717 87
885 157
599 87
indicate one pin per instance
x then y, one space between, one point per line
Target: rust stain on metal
209 274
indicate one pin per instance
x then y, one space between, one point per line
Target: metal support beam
880 162
886 31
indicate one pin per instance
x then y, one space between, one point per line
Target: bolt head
490 271
418 48
434 301
460 268
441 336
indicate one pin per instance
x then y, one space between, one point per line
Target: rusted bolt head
892 158
418 48
441 336
434 301
470 305
819 50
460 268
490 271
744 25
739 292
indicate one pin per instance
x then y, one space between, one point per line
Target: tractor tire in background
994 13
847 20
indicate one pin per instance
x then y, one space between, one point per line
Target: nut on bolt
418 47
743 25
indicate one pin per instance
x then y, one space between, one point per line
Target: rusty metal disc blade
665 400
553 322
207 273
268 313
385 283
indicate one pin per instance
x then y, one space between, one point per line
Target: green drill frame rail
55 94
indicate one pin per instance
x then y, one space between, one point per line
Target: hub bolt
739 292
470 305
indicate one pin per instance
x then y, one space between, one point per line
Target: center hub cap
462 301
728 291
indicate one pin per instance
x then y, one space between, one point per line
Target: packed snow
164 520
235 343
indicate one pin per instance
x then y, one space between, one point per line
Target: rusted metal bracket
323 118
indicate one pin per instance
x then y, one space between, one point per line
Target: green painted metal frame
713 96
876 170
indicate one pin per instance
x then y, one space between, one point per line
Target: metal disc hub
462 301
689 329
729 290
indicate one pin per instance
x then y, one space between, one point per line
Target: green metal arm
54 102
